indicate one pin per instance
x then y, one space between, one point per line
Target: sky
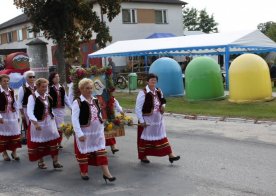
232 15
8 10
237 15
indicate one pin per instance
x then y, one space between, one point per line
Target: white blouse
117 106
15 105
67 102
140 102
31 105
75 116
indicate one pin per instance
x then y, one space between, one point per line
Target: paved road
217 159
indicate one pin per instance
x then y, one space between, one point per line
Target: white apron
59 114
94 134
11 125
156 129
48 130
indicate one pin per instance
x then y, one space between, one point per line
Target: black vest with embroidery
149 101
85 112
27 93
39 108
54 95
4 102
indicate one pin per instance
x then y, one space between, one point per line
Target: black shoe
172 159
145 161
114 150
111 179
85 177
24 141
15 158
60 147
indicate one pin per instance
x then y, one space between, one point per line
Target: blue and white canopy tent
207 44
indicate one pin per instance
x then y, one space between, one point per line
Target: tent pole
146 63
226 63
132 63
87 62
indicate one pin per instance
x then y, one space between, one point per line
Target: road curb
214 118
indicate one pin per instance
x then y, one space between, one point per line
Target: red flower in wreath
80 73
117 122
108 72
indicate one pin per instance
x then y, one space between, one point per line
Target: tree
190 19
207 23
195 20
271 32
70 22
269 29
263 27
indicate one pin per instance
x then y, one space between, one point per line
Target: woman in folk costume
42 135
112 141
23 94
104 97
60 99
89 139
9 128
151 138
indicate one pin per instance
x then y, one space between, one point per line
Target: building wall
19 44
120 31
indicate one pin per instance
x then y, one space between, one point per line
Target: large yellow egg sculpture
249 79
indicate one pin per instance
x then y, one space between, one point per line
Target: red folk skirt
37 150
157 148
9 142
110 141
96 158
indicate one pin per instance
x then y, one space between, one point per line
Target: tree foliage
195 20
69 22
271 32
269 29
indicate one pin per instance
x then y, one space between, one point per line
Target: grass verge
257 110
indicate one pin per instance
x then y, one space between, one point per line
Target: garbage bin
132 79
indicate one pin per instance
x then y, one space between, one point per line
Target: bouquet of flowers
119 121
67 130
124 120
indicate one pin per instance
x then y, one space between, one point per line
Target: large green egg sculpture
249 79
203 80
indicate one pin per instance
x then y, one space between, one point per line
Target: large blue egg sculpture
169 76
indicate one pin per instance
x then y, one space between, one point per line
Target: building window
9 37
84 48
161 17
39 34
30 33
129 16
19 35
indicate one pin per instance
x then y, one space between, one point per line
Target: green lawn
259 110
